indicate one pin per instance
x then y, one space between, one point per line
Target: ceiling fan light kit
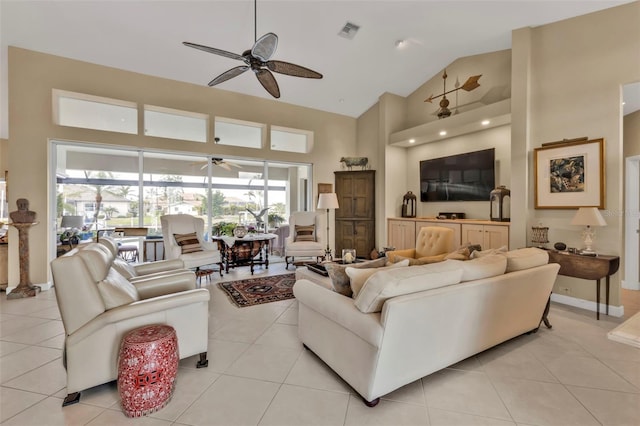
257 59
469 85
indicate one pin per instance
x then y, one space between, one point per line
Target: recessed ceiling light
401 43
485 122
412 141
443 133
341 100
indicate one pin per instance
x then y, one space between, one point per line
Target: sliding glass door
104 188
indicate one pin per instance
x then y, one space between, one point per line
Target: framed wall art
569 175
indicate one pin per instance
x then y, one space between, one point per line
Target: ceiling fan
220 162
257 59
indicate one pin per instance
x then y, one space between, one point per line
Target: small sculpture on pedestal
23 219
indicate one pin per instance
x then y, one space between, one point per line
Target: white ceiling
147 36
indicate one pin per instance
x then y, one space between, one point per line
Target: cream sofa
98 306
407 323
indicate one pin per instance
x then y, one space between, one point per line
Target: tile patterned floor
259 374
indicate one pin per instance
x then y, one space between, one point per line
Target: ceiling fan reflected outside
220 162
257 59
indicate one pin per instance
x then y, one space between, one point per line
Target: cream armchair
433 243
305 236
193 255
99 306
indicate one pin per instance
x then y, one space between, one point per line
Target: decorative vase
239 231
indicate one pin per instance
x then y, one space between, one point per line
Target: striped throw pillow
305 233
188 242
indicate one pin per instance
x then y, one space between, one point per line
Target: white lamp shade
588 216
328 201
71 222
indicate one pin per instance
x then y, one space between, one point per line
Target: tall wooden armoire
356 216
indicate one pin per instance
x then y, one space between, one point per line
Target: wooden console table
252 249
588 268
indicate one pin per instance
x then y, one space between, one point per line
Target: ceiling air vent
349 30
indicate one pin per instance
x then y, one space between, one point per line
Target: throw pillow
340 279
460 254
188 242
358 276
305 233
117 291
391 283
421 261
478 253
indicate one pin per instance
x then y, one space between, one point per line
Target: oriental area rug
255 291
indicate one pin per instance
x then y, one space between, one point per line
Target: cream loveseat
98 306
406 323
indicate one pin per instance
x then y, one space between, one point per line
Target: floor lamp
328 201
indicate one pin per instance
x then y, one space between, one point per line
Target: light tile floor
259 374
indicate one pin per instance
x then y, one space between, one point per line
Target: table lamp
588 216
328 201
72 222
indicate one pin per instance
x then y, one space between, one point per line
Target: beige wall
495 86
568 88
33 75
498 138
4 155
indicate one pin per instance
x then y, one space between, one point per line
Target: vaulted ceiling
147 36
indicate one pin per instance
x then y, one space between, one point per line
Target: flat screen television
463 177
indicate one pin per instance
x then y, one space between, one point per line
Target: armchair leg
72 398
203 362
286 259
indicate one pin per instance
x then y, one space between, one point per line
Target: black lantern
500 199
409 205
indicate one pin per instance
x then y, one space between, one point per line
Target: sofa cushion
305 233
461 253
358 276
482 267
189 243
340 279
124 268
391 283
526 258
116 290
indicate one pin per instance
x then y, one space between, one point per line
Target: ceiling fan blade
235 165
224 166
292 69
229 74
265 46
214 50
269 82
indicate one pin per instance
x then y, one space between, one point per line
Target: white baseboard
45 286
631 285
615 311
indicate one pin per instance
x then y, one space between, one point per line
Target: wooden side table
588 268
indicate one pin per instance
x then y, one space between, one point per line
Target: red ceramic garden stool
147 367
